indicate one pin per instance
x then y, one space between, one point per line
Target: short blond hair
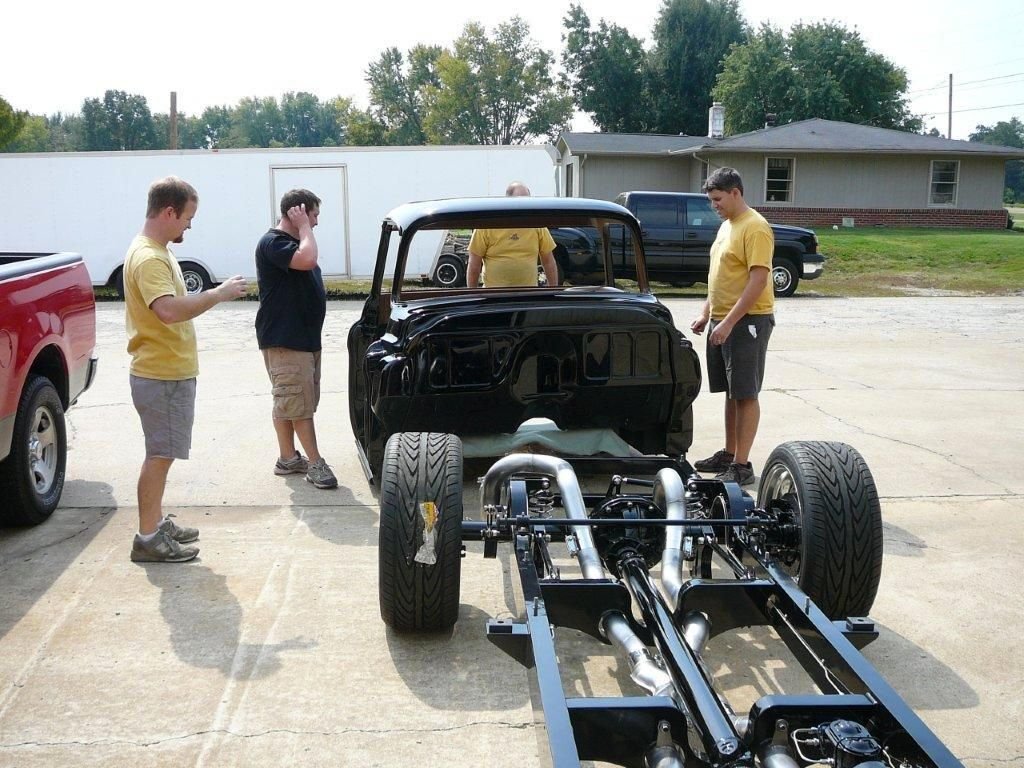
170 191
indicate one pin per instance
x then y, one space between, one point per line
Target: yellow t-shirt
510 255
159 351
742 243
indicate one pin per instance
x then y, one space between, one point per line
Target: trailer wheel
196 278
32 475
829 489
450 272
420 521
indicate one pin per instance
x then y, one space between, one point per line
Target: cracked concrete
269 650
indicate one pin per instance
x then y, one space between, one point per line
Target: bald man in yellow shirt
740 309
508 257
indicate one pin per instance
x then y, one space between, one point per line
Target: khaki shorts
295 382
167 410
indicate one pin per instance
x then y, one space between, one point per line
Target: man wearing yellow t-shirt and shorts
508 257
165 360
740 308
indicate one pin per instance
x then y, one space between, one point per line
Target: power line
973 109
967 82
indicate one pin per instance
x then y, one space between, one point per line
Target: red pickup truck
47 359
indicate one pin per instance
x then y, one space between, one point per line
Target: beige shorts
295 382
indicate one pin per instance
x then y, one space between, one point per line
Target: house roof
806 136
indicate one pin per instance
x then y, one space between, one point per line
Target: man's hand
297 216
234 287
721 333
699 323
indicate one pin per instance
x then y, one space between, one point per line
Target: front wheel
828 491
196 278
784 277
32 475
450 272
420 545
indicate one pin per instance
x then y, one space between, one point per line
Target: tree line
503 88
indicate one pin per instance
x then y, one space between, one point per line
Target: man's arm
701 321
178 309
550 268
305 258
473 267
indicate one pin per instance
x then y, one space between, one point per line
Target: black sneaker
717 463
742 474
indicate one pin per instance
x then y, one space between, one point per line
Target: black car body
482 361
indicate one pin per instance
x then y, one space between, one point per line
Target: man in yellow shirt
740 308
165 360
508 257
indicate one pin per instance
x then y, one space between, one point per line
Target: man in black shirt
293 304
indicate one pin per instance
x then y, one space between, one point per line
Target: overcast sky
55 55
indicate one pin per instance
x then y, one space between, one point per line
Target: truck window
699 213
657 212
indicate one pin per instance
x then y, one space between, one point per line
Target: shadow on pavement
205 622
901 542
34 558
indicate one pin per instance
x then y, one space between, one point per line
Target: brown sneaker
320 475
717 463
297 465
161 549
179 533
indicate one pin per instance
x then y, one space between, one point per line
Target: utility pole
173 139
949 129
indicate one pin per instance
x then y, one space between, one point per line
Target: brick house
812 173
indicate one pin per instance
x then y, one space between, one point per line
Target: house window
569 168
945 174
778 179
704 168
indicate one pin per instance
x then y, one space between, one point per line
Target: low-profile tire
785 277
450 272
832 494
420 467
32 475
196 278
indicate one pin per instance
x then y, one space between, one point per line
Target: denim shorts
737 367
167 410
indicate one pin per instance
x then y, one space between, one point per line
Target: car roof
523 211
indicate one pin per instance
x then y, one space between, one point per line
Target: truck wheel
784 277
196 278
450 272
420 522
32 475
829 489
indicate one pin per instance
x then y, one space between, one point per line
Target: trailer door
330 184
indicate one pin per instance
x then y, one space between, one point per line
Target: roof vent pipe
716 121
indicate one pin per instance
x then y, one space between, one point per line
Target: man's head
170 208
517 189
296 197
724 189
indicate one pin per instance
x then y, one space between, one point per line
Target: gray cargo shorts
167 410
737 367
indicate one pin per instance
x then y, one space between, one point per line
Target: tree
606 71
121 121
33 137
495 89
818 70
691 38
1006 134
396 92
11 122
256 122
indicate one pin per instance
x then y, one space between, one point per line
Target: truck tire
32 475
196 278
119 283
830 489
785 277
450 272
420 467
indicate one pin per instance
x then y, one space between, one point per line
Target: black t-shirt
293 302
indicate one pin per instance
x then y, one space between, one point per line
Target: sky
213 53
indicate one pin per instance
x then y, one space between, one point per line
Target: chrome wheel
43 450
193 282
778 488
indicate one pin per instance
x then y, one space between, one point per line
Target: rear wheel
32 475
420 531
831 494
784 277
450 272
196 278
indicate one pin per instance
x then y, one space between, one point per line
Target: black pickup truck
678 229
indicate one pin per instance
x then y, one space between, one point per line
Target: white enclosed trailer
95 202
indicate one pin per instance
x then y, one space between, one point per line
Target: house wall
604 177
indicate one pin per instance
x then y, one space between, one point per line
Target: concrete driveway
269 650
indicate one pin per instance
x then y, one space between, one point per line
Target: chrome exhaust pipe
696 631
670 495
665 753
562 473
642 668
